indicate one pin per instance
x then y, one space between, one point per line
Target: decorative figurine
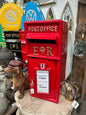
5 56
3 99
70 89
9 89
20 81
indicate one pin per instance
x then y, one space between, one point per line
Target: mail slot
46 46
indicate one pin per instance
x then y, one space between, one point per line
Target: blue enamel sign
32 12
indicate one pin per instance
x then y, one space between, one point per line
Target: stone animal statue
3 99
9 89
20 81
5 56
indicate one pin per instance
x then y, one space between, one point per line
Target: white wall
58 10
59 7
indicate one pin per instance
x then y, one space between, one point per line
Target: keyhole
42 66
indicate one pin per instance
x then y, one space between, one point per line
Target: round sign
32 12
10 17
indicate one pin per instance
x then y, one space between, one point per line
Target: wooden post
84 83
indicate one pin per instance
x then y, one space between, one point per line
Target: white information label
42 81
75 104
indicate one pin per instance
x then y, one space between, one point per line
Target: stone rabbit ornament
20 81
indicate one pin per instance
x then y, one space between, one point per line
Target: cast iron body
46 44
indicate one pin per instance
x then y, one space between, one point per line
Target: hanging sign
10 17
32 12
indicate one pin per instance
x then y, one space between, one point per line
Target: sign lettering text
43 29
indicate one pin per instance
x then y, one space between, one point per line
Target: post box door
42 79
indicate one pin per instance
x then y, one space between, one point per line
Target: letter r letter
49 51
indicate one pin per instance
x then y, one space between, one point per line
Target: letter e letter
35 51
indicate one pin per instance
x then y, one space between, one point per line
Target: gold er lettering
37 51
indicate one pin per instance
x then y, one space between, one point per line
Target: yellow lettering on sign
15 35
10 45
17 47
13 45
8 35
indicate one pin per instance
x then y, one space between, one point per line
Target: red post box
23 47
46 45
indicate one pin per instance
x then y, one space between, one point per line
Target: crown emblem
42 50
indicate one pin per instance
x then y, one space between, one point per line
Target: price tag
75 104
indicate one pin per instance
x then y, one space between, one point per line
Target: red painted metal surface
25 59
46 46
23 48
22 36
